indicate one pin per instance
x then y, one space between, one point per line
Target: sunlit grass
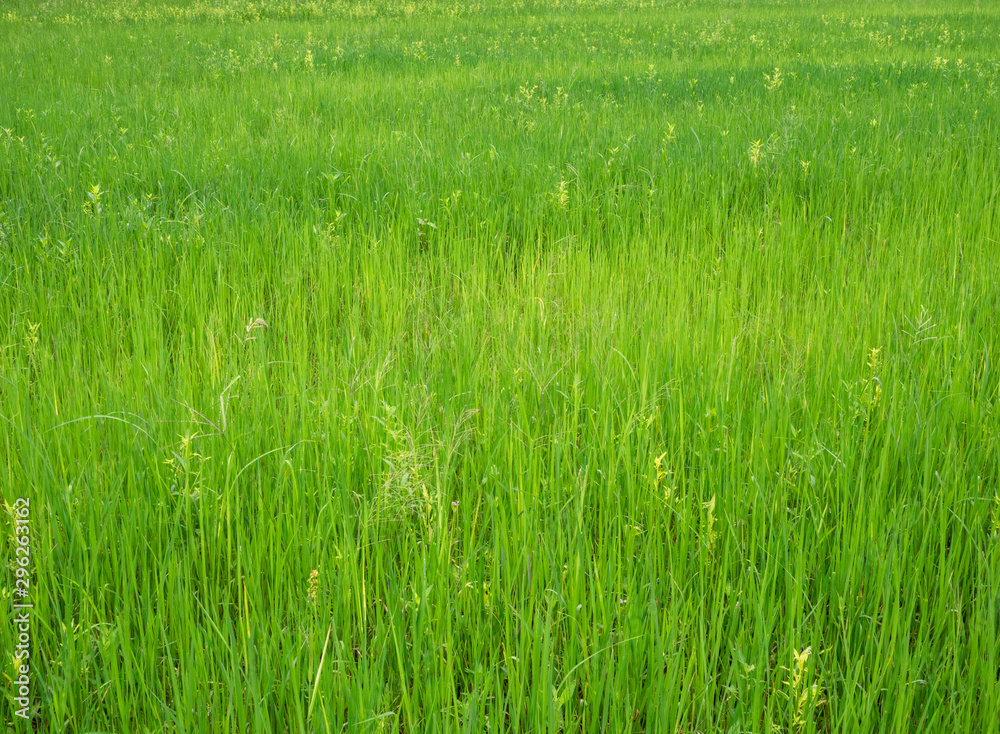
553 366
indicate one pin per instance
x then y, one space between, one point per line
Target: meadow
523 366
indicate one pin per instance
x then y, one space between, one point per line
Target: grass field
501 367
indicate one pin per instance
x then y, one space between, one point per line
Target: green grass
628 366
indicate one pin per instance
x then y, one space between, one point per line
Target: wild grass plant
507 367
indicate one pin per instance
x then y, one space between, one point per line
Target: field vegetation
535 366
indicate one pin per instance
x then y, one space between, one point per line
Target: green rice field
500 366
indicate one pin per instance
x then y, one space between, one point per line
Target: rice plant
501 366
